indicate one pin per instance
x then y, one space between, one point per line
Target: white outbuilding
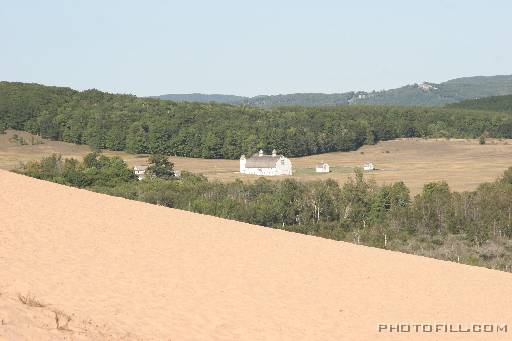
140 171
322 168
261 164
368 167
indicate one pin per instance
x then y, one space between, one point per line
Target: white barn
261 164
322 168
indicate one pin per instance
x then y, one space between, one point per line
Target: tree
158 137
96 131
3 127
48 128
116 138
433 208
481 139
51 166
507 176
136 139
212 146
160 167
74 175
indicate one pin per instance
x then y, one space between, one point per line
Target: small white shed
322 168
368 167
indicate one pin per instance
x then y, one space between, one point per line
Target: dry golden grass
30 300
12 154
21 320
462 163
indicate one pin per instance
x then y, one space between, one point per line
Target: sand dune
19 321
155 273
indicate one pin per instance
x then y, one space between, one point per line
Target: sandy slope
23 322
165 274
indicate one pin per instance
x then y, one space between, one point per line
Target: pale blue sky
251 47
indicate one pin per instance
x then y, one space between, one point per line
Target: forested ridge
425 94
469 227
494 103
145 125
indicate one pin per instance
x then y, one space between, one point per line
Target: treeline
96 170
145 125
494 103
470 227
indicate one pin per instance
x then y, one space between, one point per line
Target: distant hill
228 99
424 94
494 103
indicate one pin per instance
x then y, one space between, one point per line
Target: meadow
462 163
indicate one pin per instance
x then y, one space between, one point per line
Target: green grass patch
312 171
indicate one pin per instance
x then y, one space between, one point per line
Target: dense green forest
426 94
205 98
494 103
267 101
145 125
470 227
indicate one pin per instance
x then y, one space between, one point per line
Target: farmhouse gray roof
140 168
264 161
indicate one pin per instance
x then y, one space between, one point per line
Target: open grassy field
462 163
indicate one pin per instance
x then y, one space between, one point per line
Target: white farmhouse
261 164
140 171
322 168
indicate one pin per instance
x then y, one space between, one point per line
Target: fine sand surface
132 270
464 164
19 321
